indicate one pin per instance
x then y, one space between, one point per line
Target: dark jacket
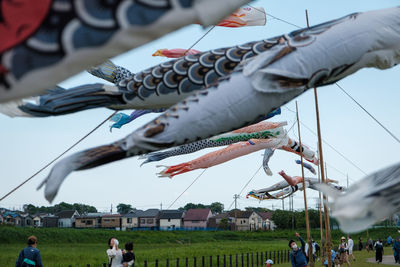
29 253
298 257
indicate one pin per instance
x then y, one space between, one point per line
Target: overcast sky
27 144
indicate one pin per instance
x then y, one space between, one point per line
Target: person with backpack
30 256
297 255
343 252
378 251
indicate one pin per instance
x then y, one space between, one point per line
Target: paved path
388 260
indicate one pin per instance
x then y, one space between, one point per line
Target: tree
123 208
223 224
217 207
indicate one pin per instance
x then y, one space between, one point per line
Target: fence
252 259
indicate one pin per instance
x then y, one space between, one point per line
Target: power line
187 188
369 114
62 154
325 142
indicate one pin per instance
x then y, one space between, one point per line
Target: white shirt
116 256
350 243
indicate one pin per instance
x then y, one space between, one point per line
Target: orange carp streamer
175 53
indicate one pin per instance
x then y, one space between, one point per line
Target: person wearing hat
30 256
343 250
269 263
297 255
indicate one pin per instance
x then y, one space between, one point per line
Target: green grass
64 247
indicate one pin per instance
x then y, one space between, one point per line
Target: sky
27 144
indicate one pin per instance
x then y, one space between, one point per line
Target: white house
66 218
171 219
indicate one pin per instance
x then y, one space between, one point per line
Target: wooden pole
309 252
321 226
321 161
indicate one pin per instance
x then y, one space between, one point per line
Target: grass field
64 247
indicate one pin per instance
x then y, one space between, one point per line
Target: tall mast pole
310 249
321 162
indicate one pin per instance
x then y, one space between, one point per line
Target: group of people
118 257
299 256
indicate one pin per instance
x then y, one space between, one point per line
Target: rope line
332 147
369 114
59 156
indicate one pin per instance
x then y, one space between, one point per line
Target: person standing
378 250
369 245
114 253
396 250
350 244
128 257
389 241
297 255
30 255
360 244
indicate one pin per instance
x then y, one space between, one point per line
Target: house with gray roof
66 218
171 219
130 220
148 218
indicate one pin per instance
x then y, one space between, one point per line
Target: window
83 221
99 220
142 221
149 221
169 220
89 222
129 220
106 220
195 221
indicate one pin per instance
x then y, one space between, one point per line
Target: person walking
396 250
378 246
350 244
30 256
297 255
343 252
114 253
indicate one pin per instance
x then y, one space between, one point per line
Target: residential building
246 220
215 221
26 220
50 221
89 220
267 223
148 218
66 218
112 221
12 218
196 218
130 220
171 219
38 219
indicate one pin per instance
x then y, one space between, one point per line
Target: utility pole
236 196
111 209
283 204
347 181
161 206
